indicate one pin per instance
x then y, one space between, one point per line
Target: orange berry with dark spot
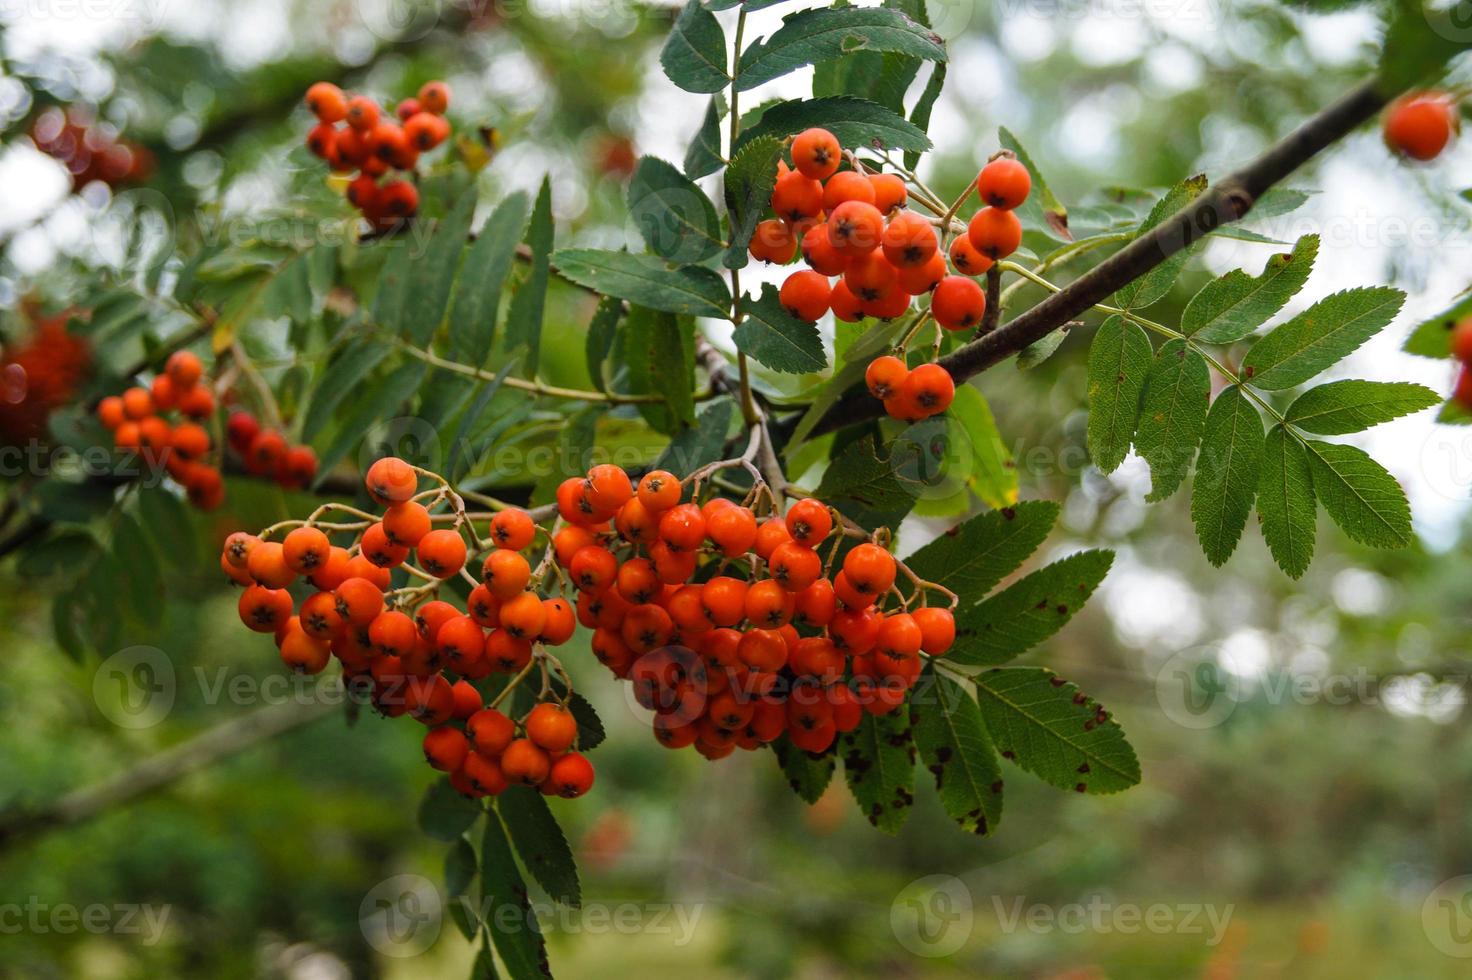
959 303
816 153
805 294
995 233
1004 183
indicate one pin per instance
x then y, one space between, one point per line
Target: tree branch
1222 204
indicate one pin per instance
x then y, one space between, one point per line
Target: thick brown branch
1223 204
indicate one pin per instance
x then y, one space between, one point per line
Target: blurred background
1305 804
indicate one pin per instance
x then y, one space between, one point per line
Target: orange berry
552 727
391 480
425 131
869 568
796 196
327 102
870 277
959 303
733 529
816 153
184 369
809 522
909 240
917 280
885 375
768 604
763 650
724 599
995 233
889 192
847 186
805 294
900 636
484 775
937 629
819 252
491 731
523 616
593 569
237 548
322 140
855 228
1420 125
646 628
442 552
110 412
375 546
398 199
682 527
560 624
506 574
434 97
267 565
393 634
333 572
844 304
407 109
569 540
1004 183
659 490
570 777
319 617
524 762
769 535
162 390
197 402
966 259
634 522
445 748
361 113
608 488
795 566
406 523
137 403
263 609
190 441
359 601
508 653
303 654
305 550
929 388
513 529
429 700
816 604
772 241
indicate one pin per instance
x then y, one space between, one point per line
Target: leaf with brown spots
808 775
1028 611
956 749
974 556
879 764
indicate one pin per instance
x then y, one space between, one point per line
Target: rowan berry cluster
1461 348
1420 125
732 630
140 423
374 141
39 374
90 150
265 452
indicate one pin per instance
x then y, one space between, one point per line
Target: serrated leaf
1119 361
377 402
341 378
811 36
867 479
808 775
1028 611
1039 351
703 156
1177 393
444 814
473 435
875 76
994 479
590 727
477 303
1155 284
528 305
1051 729
1231 307
748 183
1042 209
540 842
879 765
647 281
1432 338
1226 474
393 286
856 122
694 56
1341 407
601 331
143 584
513 925
674 217
971 558
1319 336
776 338
924 105
1360 495
956 749
433 274
460 874
1285 502
694 446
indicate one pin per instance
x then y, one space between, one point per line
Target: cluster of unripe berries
854 225
734 631
373 142
140 423
266 453
1422 124
89 150
414 655
1461 348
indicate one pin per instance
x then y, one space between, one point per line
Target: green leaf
572 450
1319 336
460 874
1042 209
1285 502
749 180
143 583
856 122
1155 284
1052 730
1341 407
1226 474
1421 39
1432 338
1230 308
674 216
477 304
646 280
590 726
920 115
472 437
1028 611
341 378
444 814
393 286
433 275
956 749
703 157
512 923
1177 393
776 338
875 76
994 479
1361 497
694 56
601 331
377 402
1119 361
868 480
879 765
811 36
541 844
1039 351
807 774
972 557
694 446
524 315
